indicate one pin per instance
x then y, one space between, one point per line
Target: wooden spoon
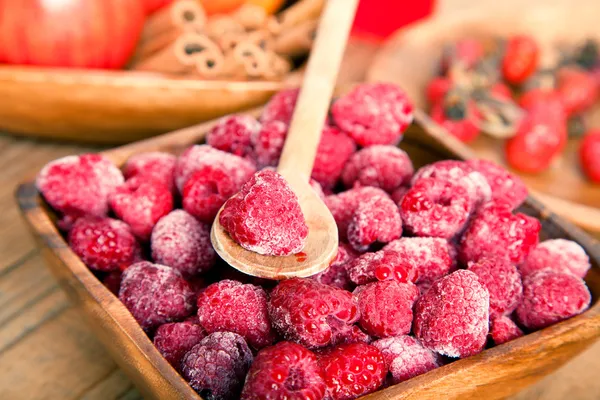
298 156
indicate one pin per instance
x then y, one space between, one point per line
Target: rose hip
462 123
589 154
520 59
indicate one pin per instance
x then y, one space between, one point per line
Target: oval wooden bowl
411 56
520 362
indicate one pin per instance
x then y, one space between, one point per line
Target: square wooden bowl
493 374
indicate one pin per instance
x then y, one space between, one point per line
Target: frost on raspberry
216 367
284 371
436 208
181 242
386 307
155 165
382 265
450 322
281 107
309 312
559 254
79 185
175 339
406 357
265 216
505 186
337 275
335 148
104 244
373 113
503 329
385 167
232 134
155 294
235 307
551 296
268 142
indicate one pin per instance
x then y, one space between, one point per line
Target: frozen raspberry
385 167
317 188
336 275
381 266
175 339
268 143
398 194
551 296
79 185
558 254
183 243
375 220
232 134
505 186
198 156
495 230
216 367
348 334
335 148
281 106
406 358
503 282
436 208
284 371
112 281
352 370
452 317
386 307
265 216
503 329
232 306
157 166
373 113
308 312
155 294
104 244
141 203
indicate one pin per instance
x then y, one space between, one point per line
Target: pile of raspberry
434 264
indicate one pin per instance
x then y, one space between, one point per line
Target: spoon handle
304 134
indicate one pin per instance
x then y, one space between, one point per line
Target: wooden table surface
48 352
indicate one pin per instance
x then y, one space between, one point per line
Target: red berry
501 91
335 148
175 339
265 216
437 89
232 306
547 99
232 134
558 254
268 143
104 244
520 59
373 113
308 312
352 370
112 281
589 154
503 329
337 275
550 296
284 371
155 294
465 128
281 107
451 318
577 89
505 186
156 166
181 242
466 51
398 194
383 265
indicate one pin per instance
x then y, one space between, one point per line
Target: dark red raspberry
503 282
268 143
373 113
352 370
429 258
265 216
232 134
141 203
175 339
381 266
385 167
157 166
79 185
155 294
386 307
348 334
551 296
241 308
451 318
496 230
181 242
216 367
104 244
558 254
281 106
198 156
336 275
112 281
284 371
375 220
589 154
503 329
577 89
505 186
437 89
335 148
398 194
436 208
464 126
308 312
406 358
521 55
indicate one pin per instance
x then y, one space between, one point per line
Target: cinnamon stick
185 15
253 58
251 16
297 40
